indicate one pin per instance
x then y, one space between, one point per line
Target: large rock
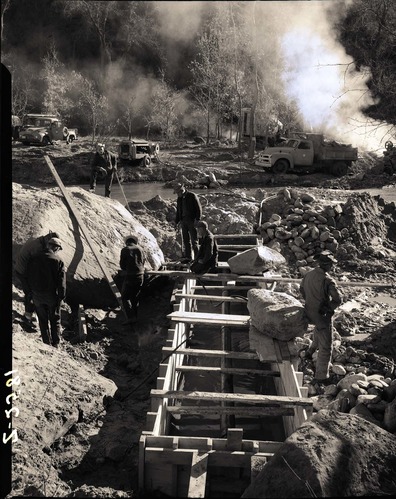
332 455
37 211
278 315
254 261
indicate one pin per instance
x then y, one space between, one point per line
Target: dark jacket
46 276
207 252
132 260
108 161
188 207
28 250
320 292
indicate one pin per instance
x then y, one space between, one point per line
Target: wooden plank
233 397
198 474
246 411
237 236
243 287
206 318
82 324
231 299
260 278
86 233
226 370
196 352
222 247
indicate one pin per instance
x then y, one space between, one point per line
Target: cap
326 257
178 188
203 224
55 241
131 238
52 234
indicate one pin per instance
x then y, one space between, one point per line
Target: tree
95 104
164 112
4 6
366 29
55 100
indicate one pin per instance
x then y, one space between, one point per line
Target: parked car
45 130
138 152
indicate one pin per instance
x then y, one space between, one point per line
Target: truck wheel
339 169
156 149
281 166
71 138
388 145
146 161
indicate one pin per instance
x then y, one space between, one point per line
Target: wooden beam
232 299
195 352
222 247
198 473
82 324
85 231
260 278
234 439
246 411
252 398
206 318
243 287
226 370
237 236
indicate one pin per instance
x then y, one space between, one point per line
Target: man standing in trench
46 277
321 297
206 258
188 213
106 162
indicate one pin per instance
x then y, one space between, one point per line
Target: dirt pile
332 455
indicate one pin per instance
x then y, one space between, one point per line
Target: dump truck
43 129
308 152
137 152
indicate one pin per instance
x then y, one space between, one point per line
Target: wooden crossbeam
237 236
86 233
222 247
206 318
226 370
243 287
254 398
200 410
195 352
232 299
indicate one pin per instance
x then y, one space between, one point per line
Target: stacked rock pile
364 384
306 228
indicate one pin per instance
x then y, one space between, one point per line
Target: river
147 190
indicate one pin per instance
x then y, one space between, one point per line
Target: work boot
30 317
91 190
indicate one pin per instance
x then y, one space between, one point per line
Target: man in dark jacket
321 297
132 261
27 251
188 213
46 277
106 162
207 255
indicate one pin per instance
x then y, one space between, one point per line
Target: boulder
254 261
108 223
278 315
328 456
390 416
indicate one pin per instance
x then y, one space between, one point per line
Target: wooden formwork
187 466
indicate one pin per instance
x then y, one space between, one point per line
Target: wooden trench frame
179 465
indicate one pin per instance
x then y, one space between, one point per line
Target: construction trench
224 402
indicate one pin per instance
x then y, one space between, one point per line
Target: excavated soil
83 407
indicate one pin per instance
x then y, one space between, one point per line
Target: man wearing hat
106 162
188 213
207 255
46 277
132 261
27 251
321 297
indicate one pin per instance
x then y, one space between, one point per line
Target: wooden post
82 325
85 231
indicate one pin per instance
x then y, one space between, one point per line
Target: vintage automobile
43 129
137 152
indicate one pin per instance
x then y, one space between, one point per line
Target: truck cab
294 152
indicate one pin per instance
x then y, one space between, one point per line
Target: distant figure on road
188 213
106 162
321 297
46 277
132 260
27 251
207 255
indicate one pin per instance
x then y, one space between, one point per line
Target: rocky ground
82 407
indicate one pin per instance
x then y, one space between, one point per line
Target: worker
188 213
207 255
46 277
31 247
132 260
106 162
321 297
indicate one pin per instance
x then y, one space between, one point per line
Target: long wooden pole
85 231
